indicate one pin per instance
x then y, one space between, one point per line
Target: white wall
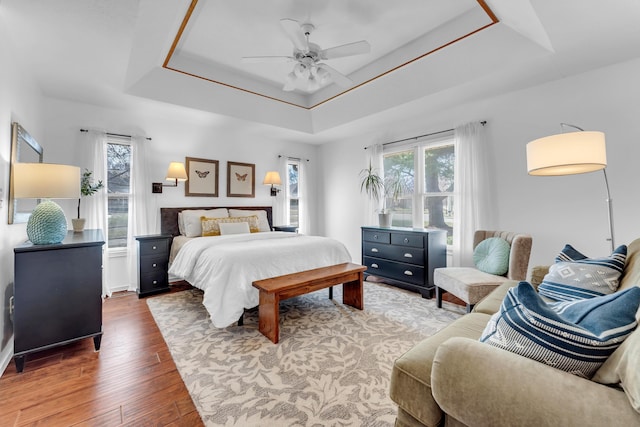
554 210
176 132
20 102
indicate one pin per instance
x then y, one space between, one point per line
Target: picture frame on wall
241 179
203 177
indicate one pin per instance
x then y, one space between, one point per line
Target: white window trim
120 251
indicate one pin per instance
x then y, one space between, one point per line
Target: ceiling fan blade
337 77
355 48
254 59
294 32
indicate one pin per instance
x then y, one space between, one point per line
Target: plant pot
384 219
78 224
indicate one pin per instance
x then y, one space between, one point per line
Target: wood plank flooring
132 381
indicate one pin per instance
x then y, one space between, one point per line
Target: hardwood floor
132 381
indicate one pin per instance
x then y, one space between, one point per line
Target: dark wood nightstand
287 228
153 263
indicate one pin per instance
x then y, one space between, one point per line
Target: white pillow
234 228
191 219
263 222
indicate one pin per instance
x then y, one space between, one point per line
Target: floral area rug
332 366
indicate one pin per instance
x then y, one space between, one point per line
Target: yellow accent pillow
211 227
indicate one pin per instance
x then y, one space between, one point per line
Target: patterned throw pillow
577 337
492 256
211 227
574 276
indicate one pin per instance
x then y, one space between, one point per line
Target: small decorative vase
384 219
78 224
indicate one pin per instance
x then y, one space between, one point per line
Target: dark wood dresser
405 257
57 293
153 264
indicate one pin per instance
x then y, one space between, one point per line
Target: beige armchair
470 284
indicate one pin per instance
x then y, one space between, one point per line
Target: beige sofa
453 379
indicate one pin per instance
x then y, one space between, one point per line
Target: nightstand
287 228
153 263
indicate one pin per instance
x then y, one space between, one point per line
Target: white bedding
224 267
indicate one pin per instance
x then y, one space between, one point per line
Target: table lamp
47 224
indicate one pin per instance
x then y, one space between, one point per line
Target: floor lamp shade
567 154
47 223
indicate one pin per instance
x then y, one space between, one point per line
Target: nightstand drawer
149 264
396 253
395 270
412 240
376 236
154 246
153 281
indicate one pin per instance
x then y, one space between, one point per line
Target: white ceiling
114 52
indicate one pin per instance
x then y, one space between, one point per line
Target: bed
225 266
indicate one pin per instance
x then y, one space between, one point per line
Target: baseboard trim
6 355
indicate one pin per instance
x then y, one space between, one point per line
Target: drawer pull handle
155 265
374 249
375 236
406 240
374 265
154 248
408 273
155 282
408 255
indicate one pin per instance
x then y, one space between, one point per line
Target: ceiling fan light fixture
323 75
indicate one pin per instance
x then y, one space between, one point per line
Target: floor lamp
571 153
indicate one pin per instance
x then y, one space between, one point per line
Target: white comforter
224 267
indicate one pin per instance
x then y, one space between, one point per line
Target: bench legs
352 293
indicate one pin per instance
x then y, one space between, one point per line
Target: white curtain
142 207
475 207
280 203
94 208
304 226
374 157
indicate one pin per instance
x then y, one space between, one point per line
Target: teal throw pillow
492 256
574 276
576 337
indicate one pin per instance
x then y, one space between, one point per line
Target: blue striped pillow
574 276
575 337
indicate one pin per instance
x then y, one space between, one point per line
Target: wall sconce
175 173
47 224
272 178
569 154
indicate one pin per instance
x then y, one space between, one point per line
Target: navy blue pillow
576 336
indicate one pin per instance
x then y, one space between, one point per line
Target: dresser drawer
412 240
395 270
396 253
376 236
152 281
149 264
154 246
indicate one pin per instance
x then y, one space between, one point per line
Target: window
430 200
118 190
293 192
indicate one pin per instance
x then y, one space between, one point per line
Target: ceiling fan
307 57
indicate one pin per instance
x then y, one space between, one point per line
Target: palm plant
372 184
87 186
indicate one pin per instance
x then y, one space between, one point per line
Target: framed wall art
241 179
203 177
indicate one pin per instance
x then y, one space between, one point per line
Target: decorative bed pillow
574 276
191 222
211 226
233 228
578 339
492 256
263 221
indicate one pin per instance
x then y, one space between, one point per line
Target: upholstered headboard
169 216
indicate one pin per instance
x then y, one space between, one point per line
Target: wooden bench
276 289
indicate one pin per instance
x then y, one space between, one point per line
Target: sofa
453 379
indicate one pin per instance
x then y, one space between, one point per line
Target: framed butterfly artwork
203 177
241 179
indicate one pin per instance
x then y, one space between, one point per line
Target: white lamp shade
272 178
567 154
45 181
176 171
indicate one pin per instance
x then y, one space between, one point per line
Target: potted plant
87 188
373 185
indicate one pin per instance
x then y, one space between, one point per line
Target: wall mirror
24 149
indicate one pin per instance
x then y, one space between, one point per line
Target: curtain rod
292 158
116 134
483 122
